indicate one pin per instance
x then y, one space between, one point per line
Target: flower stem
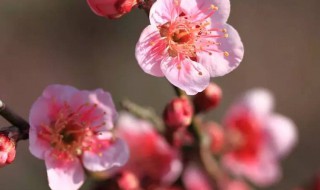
15 120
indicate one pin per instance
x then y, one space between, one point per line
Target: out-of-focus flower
194 179
178 113
236 185
188 42
263 137
216 135
111 8
7 150
152 159
207 99
71 128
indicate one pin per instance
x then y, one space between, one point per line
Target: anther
226 53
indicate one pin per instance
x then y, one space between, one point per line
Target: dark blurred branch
20 125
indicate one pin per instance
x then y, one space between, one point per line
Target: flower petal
282 133
37 146
194 179
219 64
264 171
201 8
104 112
163 11
186 74
115 155
149 51
64 175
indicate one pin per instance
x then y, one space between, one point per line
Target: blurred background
52 41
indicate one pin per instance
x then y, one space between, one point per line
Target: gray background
51 41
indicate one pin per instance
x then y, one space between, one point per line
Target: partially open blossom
151 157
216 135
111 8
71 129
207 99
188 42
263 137
178 113
7 150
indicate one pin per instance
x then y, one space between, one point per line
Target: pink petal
262 172
150 51
282 133
191 77
64 175
194 179
115 155
59 93
201 8
217 63
259 101
37 146
105 111
163 11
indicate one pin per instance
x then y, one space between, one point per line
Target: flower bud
207 99
216 135
111 8
7 150
178 113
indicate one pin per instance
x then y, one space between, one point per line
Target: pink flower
111 8
188 42
151 159
71 129
7 150
263 137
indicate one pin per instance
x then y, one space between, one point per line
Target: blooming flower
188 42
71 128
151 159
7 150
263 137
111 8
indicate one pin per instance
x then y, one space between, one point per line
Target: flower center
72 132
188 35
251 137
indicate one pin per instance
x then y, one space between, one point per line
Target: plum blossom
189 41
264 137
152 159
71 130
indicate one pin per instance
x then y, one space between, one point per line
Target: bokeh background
53 41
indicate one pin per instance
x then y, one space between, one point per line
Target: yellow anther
213 7
224 30
226 35
226 53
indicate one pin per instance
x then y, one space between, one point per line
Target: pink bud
178 113
207 99
128 181
7 150
216 135
111 8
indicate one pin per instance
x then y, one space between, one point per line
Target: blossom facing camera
178 113
189 41
263 138
71 130
111 8
207 99
7 150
